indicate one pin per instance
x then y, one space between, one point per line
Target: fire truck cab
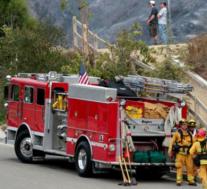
88 124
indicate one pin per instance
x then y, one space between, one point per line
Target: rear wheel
83 159
23 147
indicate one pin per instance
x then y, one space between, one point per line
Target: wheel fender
24 126
84 138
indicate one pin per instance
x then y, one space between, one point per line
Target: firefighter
193 130
192 127
60 102
180 145
199 150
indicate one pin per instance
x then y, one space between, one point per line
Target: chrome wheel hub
26 147
82 159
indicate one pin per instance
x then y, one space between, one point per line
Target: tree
14 13
32 50
168 70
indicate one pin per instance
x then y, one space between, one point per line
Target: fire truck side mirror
6 92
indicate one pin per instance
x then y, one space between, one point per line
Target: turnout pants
181 162
203 175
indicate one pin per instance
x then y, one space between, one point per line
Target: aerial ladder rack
155 85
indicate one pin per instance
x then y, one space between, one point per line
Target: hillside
188 16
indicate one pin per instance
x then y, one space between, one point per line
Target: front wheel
83 159
23 147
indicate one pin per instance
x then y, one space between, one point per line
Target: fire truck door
40 110
15 106
28 107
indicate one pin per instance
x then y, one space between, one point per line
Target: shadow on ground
61 164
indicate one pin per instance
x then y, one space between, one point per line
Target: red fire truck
51 114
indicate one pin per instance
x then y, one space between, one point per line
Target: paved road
56 173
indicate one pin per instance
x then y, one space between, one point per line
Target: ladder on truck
139 84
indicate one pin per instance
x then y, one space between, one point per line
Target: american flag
84 79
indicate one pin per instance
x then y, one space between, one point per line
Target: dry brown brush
197 55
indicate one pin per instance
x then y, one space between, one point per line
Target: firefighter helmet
182 121
192 123
201 134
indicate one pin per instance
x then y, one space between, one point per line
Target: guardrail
198 109
86 40
201 81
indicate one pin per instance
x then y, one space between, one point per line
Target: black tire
38 153
20 139
84 169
